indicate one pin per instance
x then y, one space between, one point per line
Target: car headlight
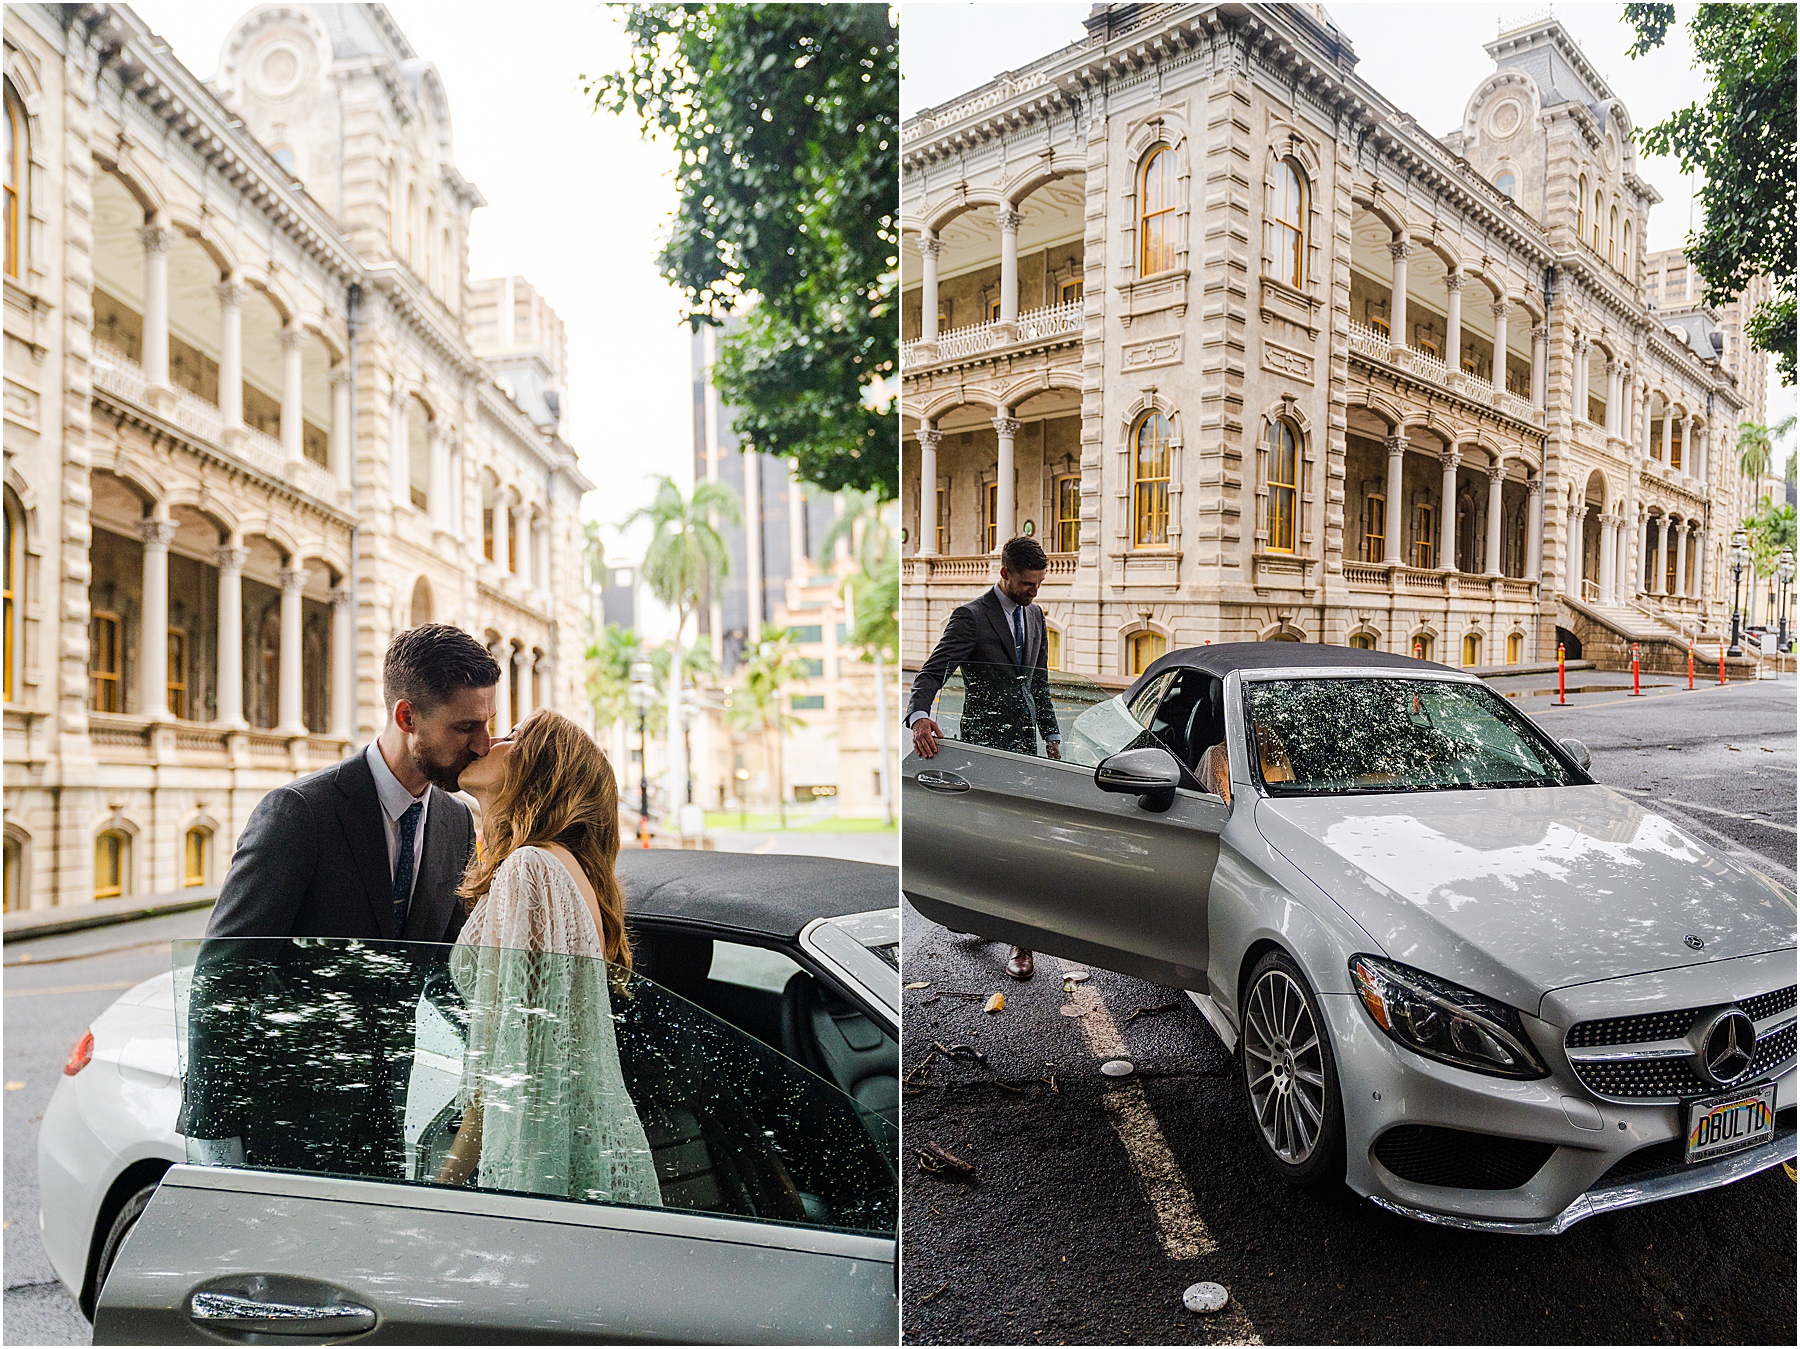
1444 1021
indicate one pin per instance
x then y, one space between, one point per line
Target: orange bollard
1690 669
1418 651
1721 662
1562 679
1637 690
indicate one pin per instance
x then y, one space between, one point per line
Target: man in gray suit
374 846
998 640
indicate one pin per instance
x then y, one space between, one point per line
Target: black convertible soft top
770 896
1223 658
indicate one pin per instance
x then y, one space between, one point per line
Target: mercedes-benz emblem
1724 1047
1694 942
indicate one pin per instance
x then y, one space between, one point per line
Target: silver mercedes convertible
1457 973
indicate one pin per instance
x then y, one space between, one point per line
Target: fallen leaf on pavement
920 983
997 1003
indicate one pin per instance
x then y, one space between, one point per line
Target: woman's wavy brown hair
557 788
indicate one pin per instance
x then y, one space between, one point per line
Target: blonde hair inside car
557 789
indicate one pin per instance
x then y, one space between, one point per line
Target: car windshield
512 1071
1333 736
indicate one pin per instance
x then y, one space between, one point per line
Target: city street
1095 1201
56 985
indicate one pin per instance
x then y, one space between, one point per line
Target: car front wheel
1290 1076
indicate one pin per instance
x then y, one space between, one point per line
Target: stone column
1453 289
502 523
1608 529
1446 558
155 350
1399 251
1660 569
230 561
1612 397
1496 476
1534 529
1540 360
1582 375
1008 220
1681 536
291 697
1574 550
343 664
929 437
526 541
1006 515
153 637
1699 563
1688 462
1622 559
1396 504
929 248
340 452
1668 436
753 542
502 654
521 673
231 353
1650 396
293 345
1501 310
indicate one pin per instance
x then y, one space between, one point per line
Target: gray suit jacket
312 862
1005 700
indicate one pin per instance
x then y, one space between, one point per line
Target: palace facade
251 432
1257 357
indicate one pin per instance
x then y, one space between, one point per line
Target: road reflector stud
1116 1068
1205 1297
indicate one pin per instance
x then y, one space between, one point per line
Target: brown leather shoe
1019 963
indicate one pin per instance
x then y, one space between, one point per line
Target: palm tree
593 572
873 594
769 665
1756 445
685 557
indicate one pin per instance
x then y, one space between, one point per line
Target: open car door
411 1143
1006 840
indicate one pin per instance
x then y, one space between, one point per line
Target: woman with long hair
545 1109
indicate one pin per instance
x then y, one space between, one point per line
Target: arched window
18 160
1374 528
418 454
1052 647
112 864
196 850
1625 256
1284 486
1471 649
990 516
1599 203
285 156
1581 191
1068 513
1507 184
421 603
1362 641
1515 647
1421 646
14 888
1612 236
1150 481
177 665
412 213
1156 213
1287 223
104 655
432 274
1142 649
15 578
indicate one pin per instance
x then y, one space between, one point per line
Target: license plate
1722 1124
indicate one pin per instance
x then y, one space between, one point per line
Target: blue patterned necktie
403 864
1019 634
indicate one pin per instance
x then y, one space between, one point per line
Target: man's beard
442 775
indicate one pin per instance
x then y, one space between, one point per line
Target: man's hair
1024 554
426 665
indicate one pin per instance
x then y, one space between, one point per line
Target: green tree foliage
874 587
1741 138
686 552
770 664
1756 445
609 660
1771 530
785 121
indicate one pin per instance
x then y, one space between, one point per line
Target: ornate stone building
249 433
1258 357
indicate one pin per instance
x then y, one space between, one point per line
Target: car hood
1517 892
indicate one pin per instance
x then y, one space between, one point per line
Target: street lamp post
1784 575
642 695
1740 559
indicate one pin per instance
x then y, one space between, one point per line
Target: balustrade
975 339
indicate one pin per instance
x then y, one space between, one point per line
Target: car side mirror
1151 774
1579 753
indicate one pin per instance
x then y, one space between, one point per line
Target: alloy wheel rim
1284 1067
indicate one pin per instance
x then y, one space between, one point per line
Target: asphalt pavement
54 986
1093 1201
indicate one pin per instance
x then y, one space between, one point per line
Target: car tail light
81 1055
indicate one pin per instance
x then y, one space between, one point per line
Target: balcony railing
1369 341
117 374
976 339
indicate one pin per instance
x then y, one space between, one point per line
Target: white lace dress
542 1055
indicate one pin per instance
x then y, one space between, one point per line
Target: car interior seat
832 1037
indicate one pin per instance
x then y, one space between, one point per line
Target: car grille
1670 1155
1673 1077
1429 1155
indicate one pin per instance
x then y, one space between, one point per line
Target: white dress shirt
395 800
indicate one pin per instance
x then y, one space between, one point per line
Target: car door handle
936 780
231 1313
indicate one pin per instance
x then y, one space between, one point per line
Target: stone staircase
1608 631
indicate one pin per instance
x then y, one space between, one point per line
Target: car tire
1289 1076
123 1221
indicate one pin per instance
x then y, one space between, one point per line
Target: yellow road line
71 988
